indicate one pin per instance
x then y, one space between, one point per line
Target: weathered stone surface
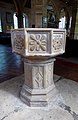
38 46
61 107
38 41
38 88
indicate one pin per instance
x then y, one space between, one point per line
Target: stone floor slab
63 107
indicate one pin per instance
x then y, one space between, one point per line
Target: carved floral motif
57 42
37 42
19 42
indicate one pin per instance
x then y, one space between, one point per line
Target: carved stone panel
38 88
38 42
28 74
49 74
18 41
38 77
58 42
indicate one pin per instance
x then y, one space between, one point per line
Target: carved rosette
57 42
37 43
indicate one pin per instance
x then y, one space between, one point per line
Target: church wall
35 14
7 10
39 10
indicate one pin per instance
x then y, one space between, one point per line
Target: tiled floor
11 65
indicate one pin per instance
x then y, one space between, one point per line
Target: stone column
39 10
32 20
76 26
20 20
73 22
38 88
38 13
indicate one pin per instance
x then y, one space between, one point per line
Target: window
70 22
25 21
15 21
0 24
62 20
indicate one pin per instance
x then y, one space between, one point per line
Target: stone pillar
44 16
32 20
20 20
39 10
74 11
76 26
38 88
38 13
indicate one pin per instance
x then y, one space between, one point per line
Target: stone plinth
39 87
38 46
